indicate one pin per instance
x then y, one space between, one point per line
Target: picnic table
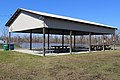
100 47
60 49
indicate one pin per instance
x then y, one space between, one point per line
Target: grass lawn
93 66
0 46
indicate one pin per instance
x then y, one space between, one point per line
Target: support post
114 41
48 39
70 42
31 40
43 41
62 40
9 41
74 41
103 43
89 42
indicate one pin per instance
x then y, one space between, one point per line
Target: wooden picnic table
100 47
60 49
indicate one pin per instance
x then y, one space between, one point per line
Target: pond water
39 45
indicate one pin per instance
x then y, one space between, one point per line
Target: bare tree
4 32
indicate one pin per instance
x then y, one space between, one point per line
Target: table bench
49 51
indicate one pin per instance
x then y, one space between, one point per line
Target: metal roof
54 16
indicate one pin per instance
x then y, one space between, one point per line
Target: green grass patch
1 46
93 66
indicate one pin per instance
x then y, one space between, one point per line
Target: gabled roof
11 20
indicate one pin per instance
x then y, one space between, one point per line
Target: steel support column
114 41
44 41
74 41
30 39
70 42
89 42
48 40
103 43
63 40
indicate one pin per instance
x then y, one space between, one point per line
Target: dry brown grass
93 66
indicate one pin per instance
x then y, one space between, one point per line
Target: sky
100 11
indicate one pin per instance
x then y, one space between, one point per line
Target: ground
92 66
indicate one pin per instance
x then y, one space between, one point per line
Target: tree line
80 39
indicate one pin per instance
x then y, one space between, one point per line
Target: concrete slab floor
39 53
